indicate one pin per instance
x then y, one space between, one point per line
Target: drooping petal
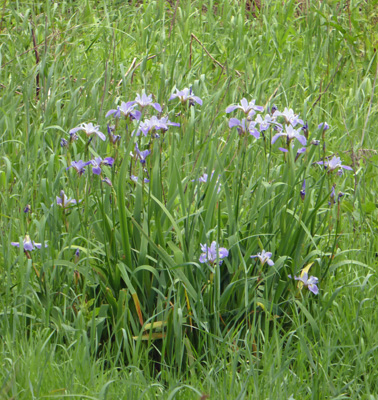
231 108
233 122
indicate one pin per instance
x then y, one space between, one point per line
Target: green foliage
137 307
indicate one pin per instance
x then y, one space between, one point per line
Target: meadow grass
135 314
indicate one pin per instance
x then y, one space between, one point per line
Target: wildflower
315 142
135 179
266 122
27 209
28 244
305 130
156 124
289 116
141 155
108 182
144 101
303 191
311 282
290 134
264 257
204 179
114 139
98 161
76 256
64 201
79 166
332 196
73 137
334 163
248 108
185 95
125 109
299 152
242 127
323 126
212 253
63 143
89 129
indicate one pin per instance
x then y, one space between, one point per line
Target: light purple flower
264 257
185 95
290 134
154 123
248 108
289 116
311 282
125 109
266 122
141 155
204 178
334 163
242 126
212 253
63 143
323 126
28 244
98 161
135 179
89 129
144 101
64 201
79 166
303 191
107 181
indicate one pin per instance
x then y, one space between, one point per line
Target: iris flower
289 116
247 108
243 126
79 166
185 95
141 155
334 163
125 109
98 161
264 257
28 244
144 101
266 122
89 129
290 134
311 282
154 123
212 253
64 201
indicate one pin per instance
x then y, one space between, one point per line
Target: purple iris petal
212 253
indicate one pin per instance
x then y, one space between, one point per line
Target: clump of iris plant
89 130
210 254
264 257
185 95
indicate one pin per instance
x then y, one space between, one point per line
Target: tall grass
136 315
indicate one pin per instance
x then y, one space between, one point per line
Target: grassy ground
80 327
